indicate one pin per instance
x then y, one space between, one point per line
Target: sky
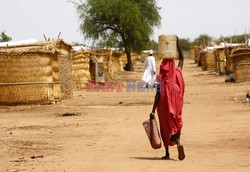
30 19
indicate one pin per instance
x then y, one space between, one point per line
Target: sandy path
106 133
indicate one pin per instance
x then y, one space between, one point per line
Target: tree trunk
129 65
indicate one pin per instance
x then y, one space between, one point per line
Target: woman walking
169 103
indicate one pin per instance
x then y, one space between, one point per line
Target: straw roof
240 51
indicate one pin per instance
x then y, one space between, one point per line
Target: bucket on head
168 46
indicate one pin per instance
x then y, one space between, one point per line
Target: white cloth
149 73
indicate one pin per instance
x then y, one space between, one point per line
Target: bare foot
181 154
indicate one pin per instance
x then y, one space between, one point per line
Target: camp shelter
207 59
229 60
241 64
220 60
194 53
228 49
81 68
203 60
137 56
63 50
210 61
65 67
96 65
102 62
29 76
117 61
62 66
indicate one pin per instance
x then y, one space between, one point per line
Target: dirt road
102 131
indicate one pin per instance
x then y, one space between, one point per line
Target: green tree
132 21
110 41
203 40
151 45
4 37
77 44
184 43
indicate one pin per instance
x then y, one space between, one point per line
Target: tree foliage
4 37
128 23
203 40
110 41
184 43
151 45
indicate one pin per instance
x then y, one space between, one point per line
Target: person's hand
152 115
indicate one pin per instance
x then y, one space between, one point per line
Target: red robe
170 105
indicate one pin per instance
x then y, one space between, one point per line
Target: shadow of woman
151 158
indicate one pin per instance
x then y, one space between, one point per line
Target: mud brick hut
241 64
81 68
33 73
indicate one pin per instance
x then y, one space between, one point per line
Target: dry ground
102 131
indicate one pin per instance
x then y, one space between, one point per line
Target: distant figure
230 77
217 60
169 103
247 100
248 96
149 73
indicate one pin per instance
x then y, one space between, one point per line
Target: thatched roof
241 51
